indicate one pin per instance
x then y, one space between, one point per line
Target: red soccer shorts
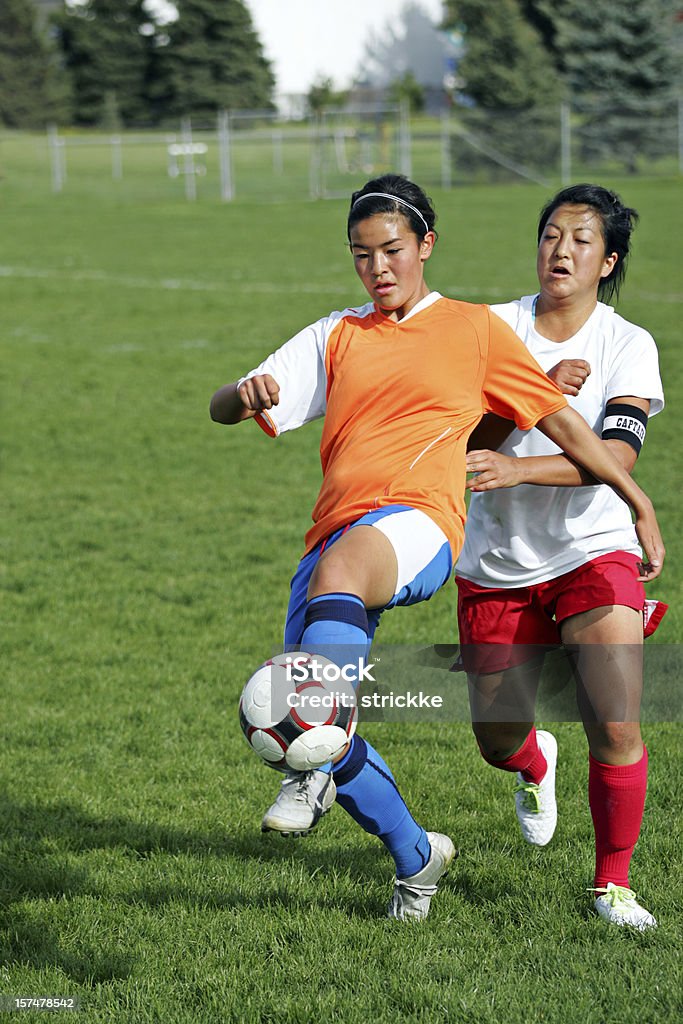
496 624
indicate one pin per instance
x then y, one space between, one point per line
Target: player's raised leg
304 797
360 570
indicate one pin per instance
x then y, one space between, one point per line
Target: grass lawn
145 571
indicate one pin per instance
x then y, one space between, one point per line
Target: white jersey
523 535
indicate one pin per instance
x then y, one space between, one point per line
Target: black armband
625 423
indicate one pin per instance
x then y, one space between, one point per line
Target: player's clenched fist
570 375
260 392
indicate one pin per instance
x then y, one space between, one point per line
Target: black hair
617 222
403 189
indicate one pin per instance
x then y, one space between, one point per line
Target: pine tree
106 56
510 86
621 71
542 16
505 65
25 68
213 61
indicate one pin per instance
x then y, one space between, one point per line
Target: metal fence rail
258 155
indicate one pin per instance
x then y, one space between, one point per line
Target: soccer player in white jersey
560 562
401 382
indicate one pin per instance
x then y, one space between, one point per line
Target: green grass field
147 556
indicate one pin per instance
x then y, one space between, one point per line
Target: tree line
109 63
616 65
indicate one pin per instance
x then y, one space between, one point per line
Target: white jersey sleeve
298 367
634 367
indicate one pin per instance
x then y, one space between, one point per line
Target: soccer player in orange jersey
401 383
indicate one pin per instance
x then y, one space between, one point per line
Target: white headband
396 199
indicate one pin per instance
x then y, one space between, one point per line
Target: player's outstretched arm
494 470
232 404
571 433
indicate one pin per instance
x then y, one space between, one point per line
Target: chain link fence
546 144
262 157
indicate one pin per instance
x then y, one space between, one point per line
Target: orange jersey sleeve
515 387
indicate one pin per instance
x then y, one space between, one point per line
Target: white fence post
316 166
116 158
278 161
57 158
405 162
188 159
565 144
446 177
225 157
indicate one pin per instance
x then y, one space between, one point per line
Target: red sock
528 760
616 794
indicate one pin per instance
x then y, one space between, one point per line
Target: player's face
571 258
389 259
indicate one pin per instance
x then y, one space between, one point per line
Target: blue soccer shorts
423 554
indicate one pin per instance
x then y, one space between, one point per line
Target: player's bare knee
498 740
617 742
332 576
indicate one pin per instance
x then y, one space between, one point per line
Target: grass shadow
39 842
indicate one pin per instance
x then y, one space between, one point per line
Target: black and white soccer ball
297 713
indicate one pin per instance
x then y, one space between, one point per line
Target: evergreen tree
542 16
510 87
26 99
213 61
622 72
106 56
505 65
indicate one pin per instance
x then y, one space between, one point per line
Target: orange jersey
400 400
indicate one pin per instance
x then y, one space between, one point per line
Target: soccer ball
297 711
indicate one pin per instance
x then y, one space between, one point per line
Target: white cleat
412 896
619 906
535 805
303 799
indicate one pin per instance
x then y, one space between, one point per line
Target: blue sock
367 791
336 626
336 619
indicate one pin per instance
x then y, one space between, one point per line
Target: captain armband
625 423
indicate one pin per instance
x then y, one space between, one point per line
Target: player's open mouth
383 289
561 271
